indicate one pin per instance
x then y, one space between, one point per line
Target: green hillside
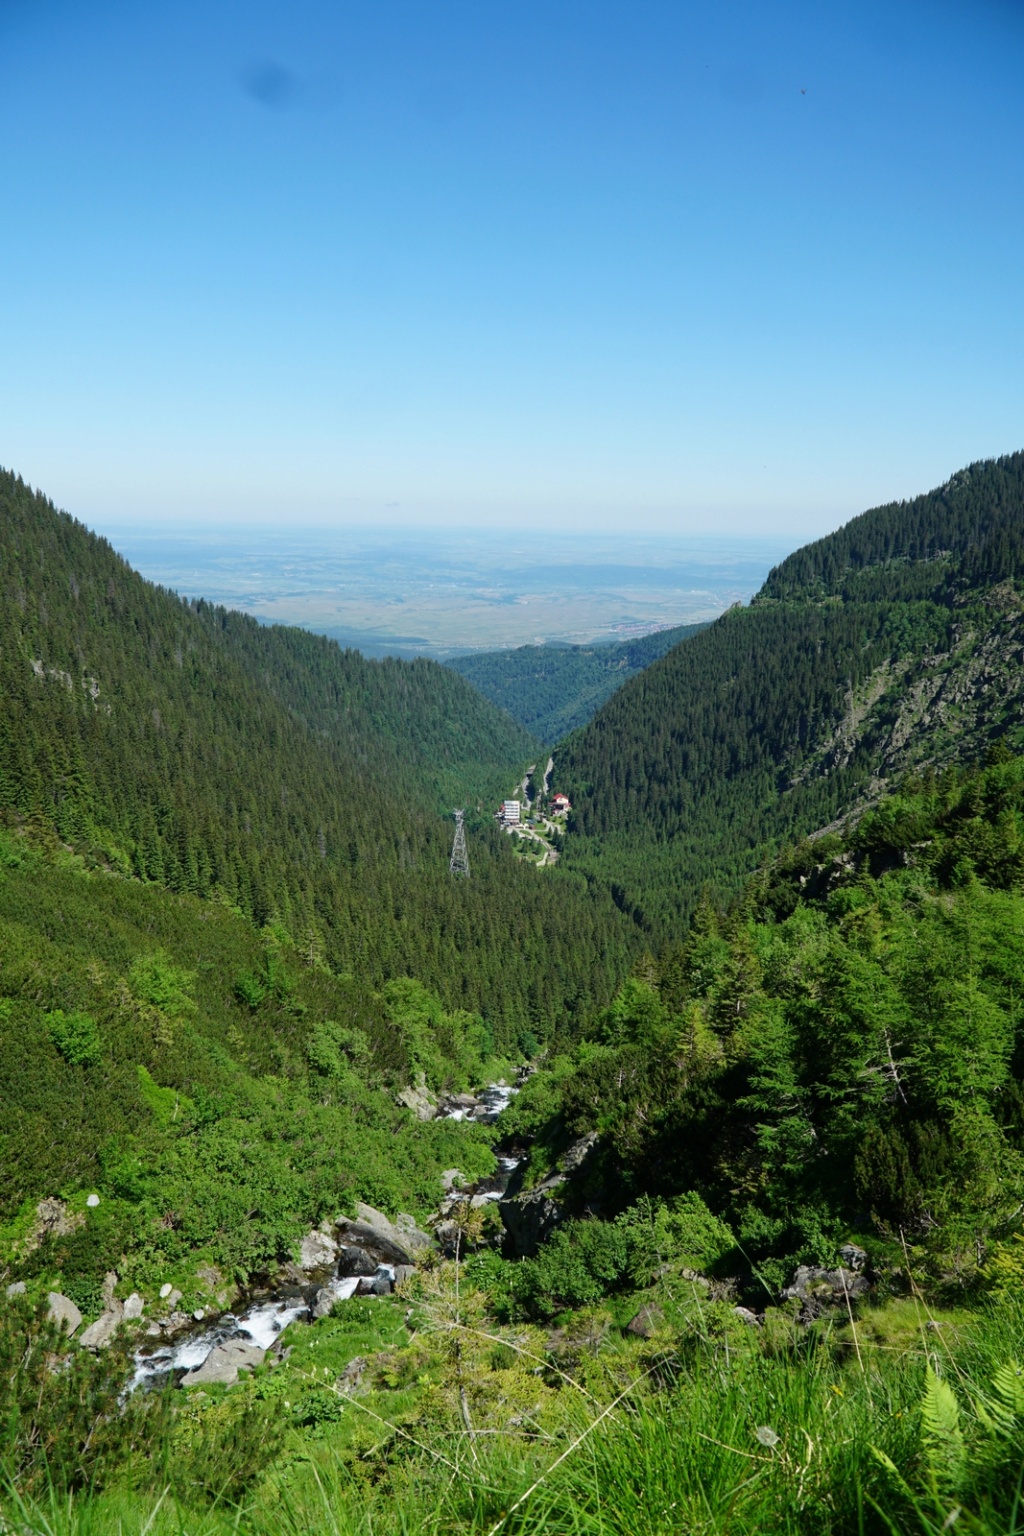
554 689
827 1073
892 644
190 747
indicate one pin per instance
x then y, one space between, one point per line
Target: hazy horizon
440 592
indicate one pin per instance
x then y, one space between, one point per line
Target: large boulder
318 1250
355 1261
384 1241
100 1334
419 1099
62 1310
223 1363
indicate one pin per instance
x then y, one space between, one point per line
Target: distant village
539 831
510 812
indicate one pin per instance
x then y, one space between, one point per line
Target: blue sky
675 267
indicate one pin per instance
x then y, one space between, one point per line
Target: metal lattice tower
459 864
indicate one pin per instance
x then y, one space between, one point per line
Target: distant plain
416 592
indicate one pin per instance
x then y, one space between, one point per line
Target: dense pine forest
743 1250
191 747
891 644
554 689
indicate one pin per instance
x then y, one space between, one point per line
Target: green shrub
75 1036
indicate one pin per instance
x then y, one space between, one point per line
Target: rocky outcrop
419 1099
62 1311
820 1290
386 1242
223 1363
53 1219
532 1215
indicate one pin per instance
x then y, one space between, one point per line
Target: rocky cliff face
926 712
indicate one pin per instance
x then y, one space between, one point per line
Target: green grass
710 1427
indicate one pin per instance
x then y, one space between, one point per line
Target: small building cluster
559 805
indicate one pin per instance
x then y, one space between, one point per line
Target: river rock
133 1307
223 1363
452 1179
404 1272
380 1285
62 1310
355 1261
317 1251
100 1334
382 1240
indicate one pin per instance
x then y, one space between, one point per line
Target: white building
511 813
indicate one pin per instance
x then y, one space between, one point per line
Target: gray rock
323 1304
355 1261
411 1234
746 1316
574 1157
530 1218
382 1241
133 1307
853 1257
62 1310
109 1287
420 1100
317 1251
99 1334
452 1179
380 1285
646 1322
818 1290
403 1272
223 1363
402 1231
16 1288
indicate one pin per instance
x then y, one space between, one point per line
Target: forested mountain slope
188 746
554 689
896 642
841 1050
